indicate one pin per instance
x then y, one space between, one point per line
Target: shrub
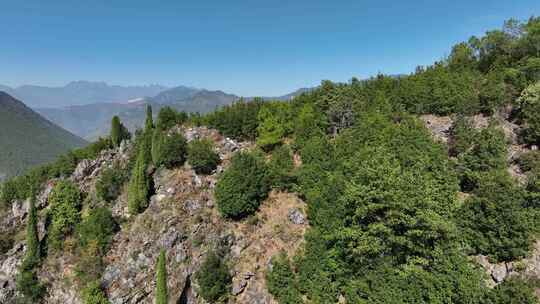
29 287
173 152
493 220
513 291
110 182
65 201
530 161
213 279
281 281
202 157
168 150
168 118
92 294
281 169
242 187
99 226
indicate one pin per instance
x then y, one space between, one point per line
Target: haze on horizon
242 47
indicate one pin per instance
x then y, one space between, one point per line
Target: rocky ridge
181 218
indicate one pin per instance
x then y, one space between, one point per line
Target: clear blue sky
244 47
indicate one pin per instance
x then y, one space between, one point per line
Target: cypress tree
158 139
138 185
149 124
162 296
116 131
32 241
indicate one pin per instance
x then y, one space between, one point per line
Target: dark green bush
530 161
168 150
513 291
281 281
93 294
281 169
202 157
529 104
173 153
29 287
168 118
494 221
110 182
98 225
214 279
242 187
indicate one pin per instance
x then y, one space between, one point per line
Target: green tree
270 130
529 104
202 157
118 131
65 202
243 186
213 279
32 256
158 141
162 296
139 185
149 122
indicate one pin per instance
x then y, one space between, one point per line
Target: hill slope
27 139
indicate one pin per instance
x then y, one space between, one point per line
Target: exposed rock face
439 126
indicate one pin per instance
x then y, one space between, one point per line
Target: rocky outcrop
182 219
528 267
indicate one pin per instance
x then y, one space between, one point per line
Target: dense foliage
213 278
202 157
97 226
238 120
168 150
243 186
110 182
529 104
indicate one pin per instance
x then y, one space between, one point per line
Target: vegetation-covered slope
394 215
27 139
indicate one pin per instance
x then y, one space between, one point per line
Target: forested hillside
422 188
27 139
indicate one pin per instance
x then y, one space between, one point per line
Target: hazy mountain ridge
79 93
92 120
27 139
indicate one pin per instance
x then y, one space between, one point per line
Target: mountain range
91 120
27 139
79 93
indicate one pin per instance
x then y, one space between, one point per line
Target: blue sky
243 47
